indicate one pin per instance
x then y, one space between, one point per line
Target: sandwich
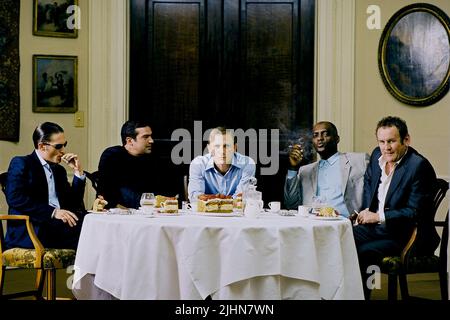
99 205
170 206
160 199
327 212
237 202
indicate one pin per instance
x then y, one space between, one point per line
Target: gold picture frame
55 84
414 54
55 18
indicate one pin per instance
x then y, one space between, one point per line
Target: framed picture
53 19
414 54
55 83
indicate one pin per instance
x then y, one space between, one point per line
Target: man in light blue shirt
222 170
337 179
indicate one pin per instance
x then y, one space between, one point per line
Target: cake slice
216 203
170 206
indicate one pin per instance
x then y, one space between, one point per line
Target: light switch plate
79 119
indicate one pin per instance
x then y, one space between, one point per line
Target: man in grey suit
337 178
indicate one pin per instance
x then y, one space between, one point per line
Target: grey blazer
301 188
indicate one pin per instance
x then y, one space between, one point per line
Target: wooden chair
409 263
44 260
185 187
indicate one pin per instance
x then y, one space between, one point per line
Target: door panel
270 50
176 56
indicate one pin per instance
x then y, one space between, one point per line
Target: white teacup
303 211
275 206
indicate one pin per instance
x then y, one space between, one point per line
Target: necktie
52 197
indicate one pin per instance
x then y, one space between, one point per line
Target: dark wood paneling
270 41
240 63
175 59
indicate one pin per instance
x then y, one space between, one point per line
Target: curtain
9 70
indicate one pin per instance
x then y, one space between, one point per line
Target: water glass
147 200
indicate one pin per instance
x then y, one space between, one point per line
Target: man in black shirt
125 172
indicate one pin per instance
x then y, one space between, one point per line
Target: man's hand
66 216
366 217
295 156
72 161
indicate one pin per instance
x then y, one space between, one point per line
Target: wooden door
239 63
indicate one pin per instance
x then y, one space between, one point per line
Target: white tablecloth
191 257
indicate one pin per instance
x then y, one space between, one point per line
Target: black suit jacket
27 194
409 200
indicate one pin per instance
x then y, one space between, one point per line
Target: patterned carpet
421 285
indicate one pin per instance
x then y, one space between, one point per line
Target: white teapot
252 199
253 208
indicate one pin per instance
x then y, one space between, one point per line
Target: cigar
354 215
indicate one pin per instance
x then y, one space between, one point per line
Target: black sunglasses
56 146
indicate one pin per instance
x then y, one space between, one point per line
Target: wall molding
108 76
335 73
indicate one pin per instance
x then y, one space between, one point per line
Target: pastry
217 203
327 212
160 199
170 206
99 205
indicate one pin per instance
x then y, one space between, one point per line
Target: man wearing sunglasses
37 186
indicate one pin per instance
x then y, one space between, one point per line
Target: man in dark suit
398 195
37 186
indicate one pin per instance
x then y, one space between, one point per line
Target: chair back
3 177
444 241
93 177
185 187
441 189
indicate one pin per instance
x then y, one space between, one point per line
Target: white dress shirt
385 182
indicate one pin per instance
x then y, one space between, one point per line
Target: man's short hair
44 132
400 124
222 131
129 129
334 131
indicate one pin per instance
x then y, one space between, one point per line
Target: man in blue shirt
337 179
222 170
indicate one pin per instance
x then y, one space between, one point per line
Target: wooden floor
421 285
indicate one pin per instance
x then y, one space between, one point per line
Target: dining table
191 255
